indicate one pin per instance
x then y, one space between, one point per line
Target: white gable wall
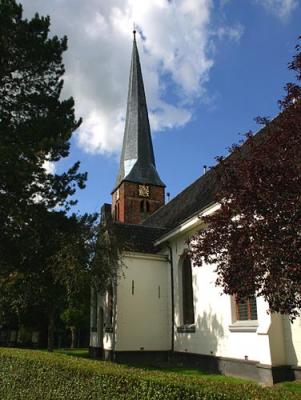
143 311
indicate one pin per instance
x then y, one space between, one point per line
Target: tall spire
137 162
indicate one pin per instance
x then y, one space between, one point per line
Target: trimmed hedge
35 375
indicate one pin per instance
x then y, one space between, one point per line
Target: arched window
187 291
141 206
144 209
116 212
118 216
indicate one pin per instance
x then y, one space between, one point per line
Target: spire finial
134 30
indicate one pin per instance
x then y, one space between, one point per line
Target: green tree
35 126
75 318
56 276
106 264
44 254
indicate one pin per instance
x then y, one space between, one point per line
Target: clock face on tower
143 190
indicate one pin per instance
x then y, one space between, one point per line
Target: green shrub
35 375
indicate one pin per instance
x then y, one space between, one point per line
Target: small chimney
168 196
204 169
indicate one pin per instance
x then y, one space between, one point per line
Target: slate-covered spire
137 163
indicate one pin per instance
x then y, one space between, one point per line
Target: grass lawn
68 374
294 386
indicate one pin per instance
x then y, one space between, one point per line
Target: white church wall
216 331
277 342
292 339
143 304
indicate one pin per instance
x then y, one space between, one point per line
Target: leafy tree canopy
35 125
45 253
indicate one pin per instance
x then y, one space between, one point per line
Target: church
161 308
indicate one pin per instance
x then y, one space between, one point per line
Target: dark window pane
246 310
188 309
242 311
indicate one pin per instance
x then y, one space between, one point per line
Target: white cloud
232 32
49 167
174 52
281 8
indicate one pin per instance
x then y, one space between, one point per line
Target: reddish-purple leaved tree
254 239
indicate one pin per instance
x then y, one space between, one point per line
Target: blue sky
210 67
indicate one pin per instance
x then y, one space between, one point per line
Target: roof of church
138 238
197 196
137 162
191 200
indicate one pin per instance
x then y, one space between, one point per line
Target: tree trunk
73 337
51 331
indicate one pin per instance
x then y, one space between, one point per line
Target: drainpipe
114 319
172 297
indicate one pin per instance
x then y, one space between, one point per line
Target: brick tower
138 190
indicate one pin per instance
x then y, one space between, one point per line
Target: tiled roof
192 199
137 238
196 196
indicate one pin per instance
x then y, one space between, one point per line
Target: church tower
138 190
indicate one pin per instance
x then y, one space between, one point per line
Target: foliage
35 375
35 127
254 238
45 253
76 317
107 263
55 276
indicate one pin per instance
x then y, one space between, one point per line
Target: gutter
190 223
